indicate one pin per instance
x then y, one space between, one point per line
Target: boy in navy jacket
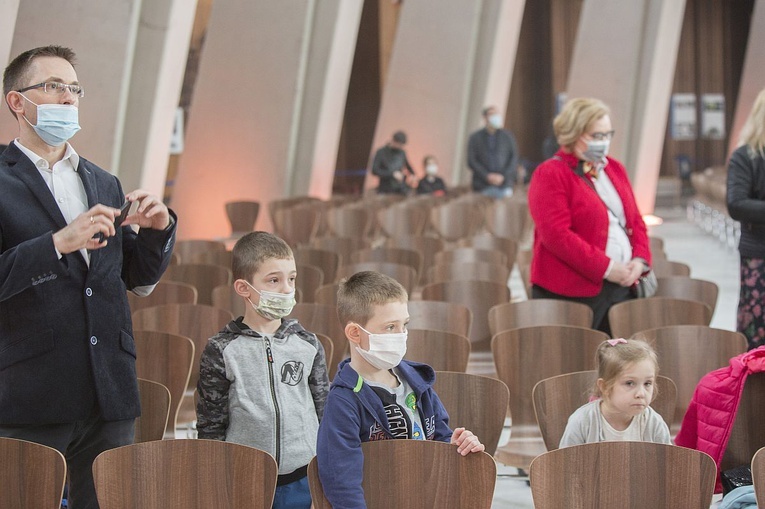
376 395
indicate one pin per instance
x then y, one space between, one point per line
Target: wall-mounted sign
683 117
713 116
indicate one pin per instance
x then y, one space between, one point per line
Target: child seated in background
431 183
376 395
625 388
263 379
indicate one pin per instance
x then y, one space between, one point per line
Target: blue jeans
295 495
497 192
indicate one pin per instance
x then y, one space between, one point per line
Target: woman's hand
625 274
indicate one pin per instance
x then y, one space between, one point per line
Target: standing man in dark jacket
391 165
493 157
67 356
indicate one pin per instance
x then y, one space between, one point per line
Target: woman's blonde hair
615 355
753 132
576 117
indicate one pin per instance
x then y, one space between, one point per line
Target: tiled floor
684 242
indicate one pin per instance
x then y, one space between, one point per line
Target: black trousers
80 442
610 294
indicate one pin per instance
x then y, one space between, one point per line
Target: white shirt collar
42 163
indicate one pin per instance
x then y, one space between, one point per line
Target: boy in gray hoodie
263 379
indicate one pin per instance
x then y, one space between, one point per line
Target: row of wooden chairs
604 474
303 219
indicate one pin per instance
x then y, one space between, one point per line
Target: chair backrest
225 297
195 321
33 475
440 315
681 287
455 220
344 247
688 352
242 215
326 294
668 268
479 271
509 218
427 474
748 434
350 221
525 356
309 279
426 246
469 254
165 292
758 476
557 397
529 313
623 474
319 318
441 350
203 277
400 255
155 411
479 296
167 359
474 402
297 224
404 274
185 473
508 247
219 258
327 261
402 219
628 317
329 353
188 250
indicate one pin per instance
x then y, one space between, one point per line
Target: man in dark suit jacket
67 356
493 157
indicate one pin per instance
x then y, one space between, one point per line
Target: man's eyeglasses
57 88
602 136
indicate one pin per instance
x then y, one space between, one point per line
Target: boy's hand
466 441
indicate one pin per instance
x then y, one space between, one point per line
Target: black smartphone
123 213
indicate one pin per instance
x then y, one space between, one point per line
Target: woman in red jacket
590 242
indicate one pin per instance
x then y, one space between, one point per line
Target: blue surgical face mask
56 123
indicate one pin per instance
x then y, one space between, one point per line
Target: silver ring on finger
92 220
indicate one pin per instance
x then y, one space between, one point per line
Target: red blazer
571 226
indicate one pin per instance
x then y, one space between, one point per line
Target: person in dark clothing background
431 183
392 167
493 157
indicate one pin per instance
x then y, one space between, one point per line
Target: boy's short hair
253 249
359 294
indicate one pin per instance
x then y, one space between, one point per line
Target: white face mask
385 350
56 123
431 169
596 150
495 120
272 305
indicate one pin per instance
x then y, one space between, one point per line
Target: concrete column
753 74
156 78
450 59
267 109
103 36
625 55
8 11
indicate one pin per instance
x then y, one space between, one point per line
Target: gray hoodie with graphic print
264 391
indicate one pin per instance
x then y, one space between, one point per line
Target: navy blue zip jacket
354 414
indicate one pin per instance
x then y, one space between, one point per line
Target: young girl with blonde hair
626 386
